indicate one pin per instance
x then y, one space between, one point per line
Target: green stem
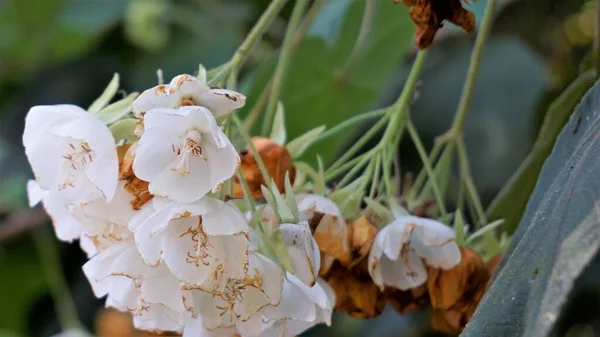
469 85
376 175
359 144
346 166
387 174
353 171
63 302
247 193
420 181
414 135
350 122
248 140
399 110
282 65
259 29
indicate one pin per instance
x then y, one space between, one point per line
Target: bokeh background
66 51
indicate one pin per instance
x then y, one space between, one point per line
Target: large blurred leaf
512 199
35 32
556 238
334 94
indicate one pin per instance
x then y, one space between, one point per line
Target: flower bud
277 161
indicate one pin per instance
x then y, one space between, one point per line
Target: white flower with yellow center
236 301
200 242
71 152
187 90
183 154
396 256
151 294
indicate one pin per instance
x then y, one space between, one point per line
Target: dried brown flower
428 16
134 185
277 160
455 293
405 301
362 234
355 292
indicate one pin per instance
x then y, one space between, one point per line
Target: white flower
328 225
151 294
105 223
72 152
395 257
236 301
186 90
301 308
302 250
66 226
199 242
195 328
183 154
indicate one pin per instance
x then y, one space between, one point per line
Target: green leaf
397 210
279 248
201 73
382 212
337 92
282 208
123 129
459 227
278 132
511 201
289 196
298 145
107 95
348 199
556 238
117 110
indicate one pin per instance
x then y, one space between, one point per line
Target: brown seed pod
355 292
277 160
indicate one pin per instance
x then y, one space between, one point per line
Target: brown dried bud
362 235
277 160
405 301
428 16
455 293
134 185
355 292
113 323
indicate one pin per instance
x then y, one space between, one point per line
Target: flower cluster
188 237
162 245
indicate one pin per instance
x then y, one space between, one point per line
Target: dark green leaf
556 238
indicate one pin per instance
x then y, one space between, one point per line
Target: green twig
282 65
350 122
248 140
467 94
376 175
414 135
246 189
63 301
259 29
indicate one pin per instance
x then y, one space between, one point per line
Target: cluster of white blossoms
184 260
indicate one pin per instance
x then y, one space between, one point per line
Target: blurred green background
66 51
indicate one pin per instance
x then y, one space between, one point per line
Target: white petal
296 302
195 328
66 226
252 327
222 162
35 192
157 317
222 101
269 274
406 273
223 219
302 250
40 117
